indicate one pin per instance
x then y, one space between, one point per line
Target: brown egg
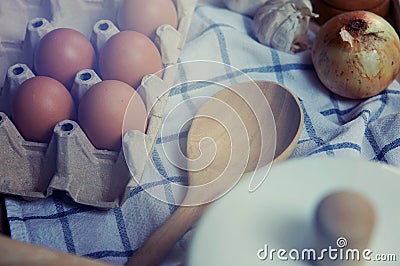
145 16
102 110
63 52
128 56
39 104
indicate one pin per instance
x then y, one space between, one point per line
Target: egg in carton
69 162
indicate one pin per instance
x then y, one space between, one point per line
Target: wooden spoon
232 133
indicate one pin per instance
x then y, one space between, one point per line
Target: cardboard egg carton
69 162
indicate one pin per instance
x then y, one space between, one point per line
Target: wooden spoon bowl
239 131
288 116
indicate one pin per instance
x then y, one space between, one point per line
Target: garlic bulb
283 24
246 7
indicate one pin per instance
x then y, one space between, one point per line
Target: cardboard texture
69 162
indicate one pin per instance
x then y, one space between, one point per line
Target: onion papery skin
356 54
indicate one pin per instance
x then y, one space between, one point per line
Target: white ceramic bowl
280 213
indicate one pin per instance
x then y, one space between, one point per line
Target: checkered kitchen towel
333 126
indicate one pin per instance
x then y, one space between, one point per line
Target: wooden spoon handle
155 248
16 253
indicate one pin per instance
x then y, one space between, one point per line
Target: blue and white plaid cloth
333 126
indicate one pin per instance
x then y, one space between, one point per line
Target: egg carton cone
69 162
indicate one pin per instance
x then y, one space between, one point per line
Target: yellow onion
356 54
